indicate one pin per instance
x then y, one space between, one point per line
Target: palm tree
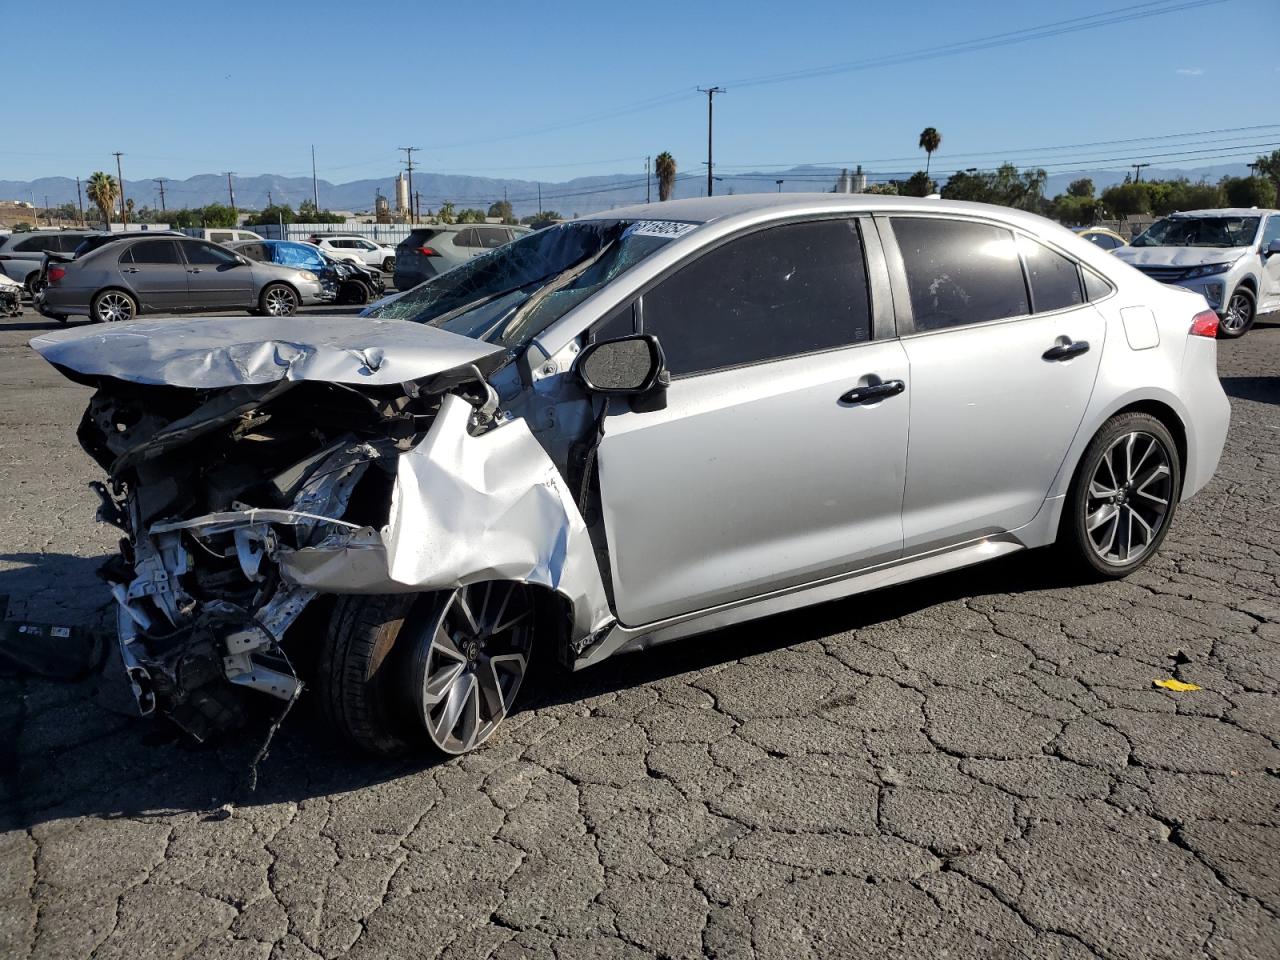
930 140
665 168
102 192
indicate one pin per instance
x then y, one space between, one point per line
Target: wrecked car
10 297
620 431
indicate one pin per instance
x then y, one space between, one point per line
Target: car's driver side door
763 471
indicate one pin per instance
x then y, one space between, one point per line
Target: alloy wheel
1127 504
114 308
470 660
1239 312
280 302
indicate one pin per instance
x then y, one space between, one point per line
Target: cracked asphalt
972 766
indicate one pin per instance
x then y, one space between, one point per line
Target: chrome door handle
131 270
194 270
1065 349
873 392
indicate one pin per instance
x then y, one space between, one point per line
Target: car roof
1225 212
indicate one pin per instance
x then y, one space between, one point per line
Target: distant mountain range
582 195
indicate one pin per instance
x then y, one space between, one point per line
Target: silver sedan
624 430
139 274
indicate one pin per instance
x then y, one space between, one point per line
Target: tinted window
1055 280
1272 232
1095 288
201 254
959 273
37 244
466 238
491 236
784 291
254 251
155 251
221 236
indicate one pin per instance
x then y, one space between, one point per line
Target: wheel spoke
1100 516
439 683
489 675
1150 530
463 607
1135 467
1098 492
460 692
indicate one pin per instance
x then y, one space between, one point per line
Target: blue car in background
349 282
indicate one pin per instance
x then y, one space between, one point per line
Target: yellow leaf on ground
1177 686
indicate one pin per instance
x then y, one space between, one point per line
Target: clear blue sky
499 88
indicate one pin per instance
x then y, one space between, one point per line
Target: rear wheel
32 282
278 300
1239 314
447 664
1124 496
389 264
113 306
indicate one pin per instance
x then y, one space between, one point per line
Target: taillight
1204 324
427 252
56 274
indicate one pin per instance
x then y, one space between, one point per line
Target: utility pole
160 181
231 192
48 215
1137 171
539 198
80 202
416 212
124 211
269 203
779 183
648 182
408 159
315 189
711 93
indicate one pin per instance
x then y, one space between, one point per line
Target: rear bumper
1208 413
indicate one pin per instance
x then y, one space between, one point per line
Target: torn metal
258 465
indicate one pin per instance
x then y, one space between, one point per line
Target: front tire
1238 318
1124 496
278 300
113 306
446 664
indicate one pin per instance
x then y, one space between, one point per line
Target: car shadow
1260 389
74 750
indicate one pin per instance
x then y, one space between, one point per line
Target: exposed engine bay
296 470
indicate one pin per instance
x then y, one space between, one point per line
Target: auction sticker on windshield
671 229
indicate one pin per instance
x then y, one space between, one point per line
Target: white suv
1231 256
357 250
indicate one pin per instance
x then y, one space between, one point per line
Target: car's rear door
156 272
1270 296
762 471
216 277
1004 352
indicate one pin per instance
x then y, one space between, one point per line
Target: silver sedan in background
124 278
624 430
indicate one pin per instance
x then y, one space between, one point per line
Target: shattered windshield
1200 232
514 292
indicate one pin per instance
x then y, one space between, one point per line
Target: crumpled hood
213 352
1178 256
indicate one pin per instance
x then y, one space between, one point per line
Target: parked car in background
1231 256
357 250
10 297
621 431
118 281
1102 237
220 234
429 251
22 253
351 282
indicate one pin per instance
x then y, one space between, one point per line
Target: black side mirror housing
1272 248
626 367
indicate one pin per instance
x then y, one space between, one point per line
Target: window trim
898 274
878 291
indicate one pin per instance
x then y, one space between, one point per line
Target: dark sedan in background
120 280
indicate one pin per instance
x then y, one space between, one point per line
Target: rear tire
388 265
113 306
1123 498
1237 319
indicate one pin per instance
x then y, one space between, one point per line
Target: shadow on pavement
72 756
1260 389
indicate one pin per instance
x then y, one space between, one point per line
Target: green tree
309 213
22 227
540 220
918 185
217 215
276 213
102 191
665 169
930 140
971 185
502 210
889 189
1080 188
445 213
1268 166
470 215
1127 199
1248 191
1075 211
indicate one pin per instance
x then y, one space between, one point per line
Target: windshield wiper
557 282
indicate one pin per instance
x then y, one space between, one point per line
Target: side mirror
628 366
1272 248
